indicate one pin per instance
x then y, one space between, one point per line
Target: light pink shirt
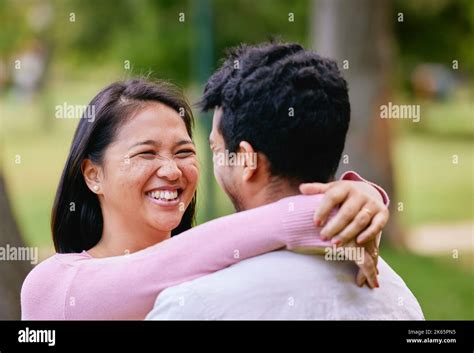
79 287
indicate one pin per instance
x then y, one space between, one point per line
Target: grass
431 187
454 118
444 290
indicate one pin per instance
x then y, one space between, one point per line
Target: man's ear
92 175
249 157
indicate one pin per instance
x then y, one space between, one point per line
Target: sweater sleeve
125 287
353 176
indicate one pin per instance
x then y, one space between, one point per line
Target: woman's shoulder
60 260
53 269
46 285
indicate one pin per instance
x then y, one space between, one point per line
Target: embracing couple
129 250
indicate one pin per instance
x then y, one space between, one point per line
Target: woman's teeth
164 195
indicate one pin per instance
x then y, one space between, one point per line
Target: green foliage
147 33
438 31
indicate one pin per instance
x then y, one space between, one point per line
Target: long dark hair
76 219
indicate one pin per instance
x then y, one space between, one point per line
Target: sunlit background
405 52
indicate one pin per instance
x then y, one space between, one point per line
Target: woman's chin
166 224
164 218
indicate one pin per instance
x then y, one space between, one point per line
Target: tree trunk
358 34
12 273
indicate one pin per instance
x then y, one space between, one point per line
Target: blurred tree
359 35
12 273
202 46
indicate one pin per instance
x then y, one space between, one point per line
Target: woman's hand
368 268
358 222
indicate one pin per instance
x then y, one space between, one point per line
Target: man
281 117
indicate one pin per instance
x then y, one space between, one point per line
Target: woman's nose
169 170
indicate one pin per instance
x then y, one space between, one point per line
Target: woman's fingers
370 272
360 279
333 197
352 214
372 250
343 219
375 227
368 269
366 263
314 188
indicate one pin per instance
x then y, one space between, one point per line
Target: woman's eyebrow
183 142
156 144
146 142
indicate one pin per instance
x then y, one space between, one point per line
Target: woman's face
150 171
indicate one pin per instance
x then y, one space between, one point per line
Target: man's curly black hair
289 103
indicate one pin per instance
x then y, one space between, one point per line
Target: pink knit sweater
79 287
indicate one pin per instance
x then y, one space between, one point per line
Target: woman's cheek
191 176
191 173
135 176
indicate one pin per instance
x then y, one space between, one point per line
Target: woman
131 176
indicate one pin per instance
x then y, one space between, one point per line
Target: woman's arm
125 287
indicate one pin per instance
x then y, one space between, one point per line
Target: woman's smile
165 196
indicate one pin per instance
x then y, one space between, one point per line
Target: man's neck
272 192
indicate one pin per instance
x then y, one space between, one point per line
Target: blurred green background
75 48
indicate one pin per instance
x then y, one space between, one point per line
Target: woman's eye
185 153
146 155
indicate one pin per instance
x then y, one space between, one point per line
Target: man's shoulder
286 285
250 287
242 285
280 266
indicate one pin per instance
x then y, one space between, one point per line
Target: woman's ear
249 158
92 175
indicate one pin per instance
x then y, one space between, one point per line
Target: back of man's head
289 103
